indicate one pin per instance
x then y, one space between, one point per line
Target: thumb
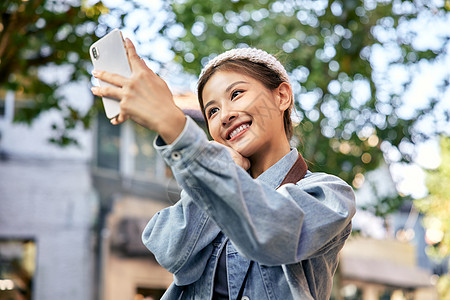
135 61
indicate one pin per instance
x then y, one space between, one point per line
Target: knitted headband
250 54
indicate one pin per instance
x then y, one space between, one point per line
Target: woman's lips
238 131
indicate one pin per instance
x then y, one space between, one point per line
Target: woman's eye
236 93
212 111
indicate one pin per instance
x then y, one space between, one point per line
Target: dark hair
258 71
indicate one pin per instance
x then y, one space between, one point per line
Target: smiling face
244 114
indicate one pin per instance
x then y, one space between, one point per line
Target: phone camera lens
94 52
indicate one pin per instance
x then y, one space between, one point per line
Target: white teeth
239 129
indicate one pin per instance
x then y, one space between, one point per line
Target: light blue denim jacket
293 233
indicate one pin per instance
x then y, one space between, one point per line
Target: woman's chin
244 150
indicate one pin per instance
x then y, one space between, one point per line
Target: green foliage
42 33
443 286
436 206
327 47
436 210
52 33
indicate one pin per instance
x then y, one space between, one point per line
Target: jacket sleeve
270 226
180 238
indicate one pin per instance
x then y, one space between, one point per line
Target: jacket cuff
191 141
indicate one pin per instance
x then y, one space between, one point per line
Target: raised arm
173 234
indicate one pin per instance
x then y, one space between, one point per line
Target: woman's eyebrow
233 84
208 104
226 91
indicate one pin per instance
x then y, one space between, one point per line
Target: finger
112 78
114 121
118 120
246 164
134 59
107 91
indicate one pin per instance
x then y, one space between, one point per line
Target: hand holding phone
144 97
109 54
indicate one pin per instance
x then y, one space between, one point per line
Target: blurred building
385 257
48 210
373 269
71 218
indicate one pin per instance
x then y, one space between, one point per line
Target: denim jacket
293 233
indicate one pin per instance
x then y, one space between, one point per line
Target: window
7 99
17 267
2 106
128 149
147 162
108 144
148 294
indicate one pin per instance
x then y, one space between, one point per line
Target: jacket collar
276 173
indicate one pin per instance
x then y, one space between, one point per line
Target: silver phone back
111 56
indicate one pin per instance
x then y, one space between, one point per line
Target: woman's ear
284 93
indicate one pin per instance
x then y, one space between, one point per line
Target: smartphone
109 54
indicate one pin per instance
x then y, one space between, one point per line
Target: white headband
250 54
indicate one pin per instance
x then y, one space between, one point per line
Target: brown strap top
297 171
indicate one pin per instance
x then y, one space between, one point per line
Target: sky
410 178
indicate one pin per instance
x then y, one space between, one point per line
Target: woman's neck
270 155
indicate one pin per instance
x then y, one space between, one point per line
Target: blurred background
371 83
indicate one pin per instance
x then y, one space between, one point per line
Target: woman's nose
228 115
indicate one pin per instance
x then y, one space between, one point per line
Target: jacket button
176 155
245 298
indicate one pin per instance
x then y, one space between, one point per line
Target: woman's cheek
214 130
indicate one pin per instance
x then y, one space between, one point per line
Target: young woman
252 222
